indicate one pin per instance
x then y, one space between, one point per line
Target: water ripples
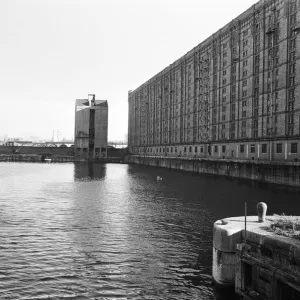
92 231
107 233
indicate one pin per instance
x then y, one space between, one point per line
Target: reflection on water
93 231
89 171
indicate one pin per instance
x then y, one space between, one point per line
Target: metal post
245 222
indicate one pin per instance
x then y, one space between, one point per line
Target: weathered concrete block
226 235
223 267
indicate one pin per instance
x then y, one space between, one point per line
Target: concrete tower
91 120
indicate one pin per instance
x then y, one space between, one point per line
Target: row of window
78 149
264 149
224 99
279 148
272 21
256 80
170 149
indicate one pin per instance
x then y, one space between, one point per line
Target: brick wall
233 86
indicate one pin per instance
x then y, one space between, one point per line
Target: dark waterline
92 231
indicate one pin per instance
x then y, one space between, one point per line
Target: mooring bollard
261 211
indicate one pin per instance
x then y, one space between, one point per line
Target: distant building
18 143
91 120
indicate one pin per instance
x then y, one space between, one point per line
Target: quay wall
54 158
34 158
20 158
287 173
36 150
111 152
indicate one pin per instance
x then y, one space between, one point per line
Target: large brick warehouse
235 95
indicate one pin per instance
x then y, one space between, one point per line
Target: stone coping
229 232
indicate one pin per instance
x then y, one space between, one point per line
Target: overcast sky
54 51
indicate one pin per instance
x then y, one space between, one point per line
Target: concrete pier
257 263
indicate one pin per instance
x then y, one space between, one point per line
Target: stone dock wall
57 154
60 151
54 158
34 158
287 173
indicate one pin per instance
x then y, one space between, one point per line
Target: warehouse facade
235 95
91 120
